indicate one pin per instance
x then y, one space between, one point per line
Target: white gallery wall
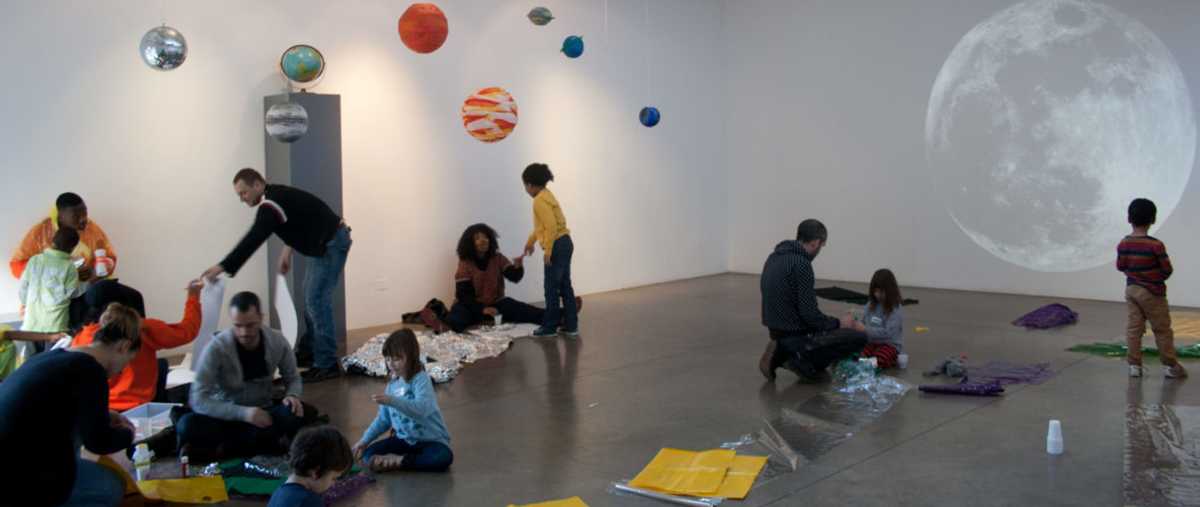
153 152
1036 146
773 111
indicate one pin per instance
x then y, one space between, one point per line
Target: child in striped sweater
1147 267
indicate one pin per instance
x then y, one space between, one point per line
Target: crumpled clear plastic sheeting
781 458
264 467
798 436
209 470
623 488
1162 455
444 354
857 401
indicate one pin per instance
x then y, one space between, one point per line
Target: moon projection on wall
1046 120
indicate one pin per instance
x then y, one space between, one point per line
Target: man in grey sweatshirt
234 411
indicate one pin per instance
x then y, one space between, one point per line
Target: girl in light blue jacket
419 440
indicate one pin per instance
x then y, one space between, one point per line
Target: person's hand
212 273
194 287
86 274
858 326
491 311
358 449
546 259
259 418
118 421
528 249
285 262
519 262
53 338
381 399
295 405
847 321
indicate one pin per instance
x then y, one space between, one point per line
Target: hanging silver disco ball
163 48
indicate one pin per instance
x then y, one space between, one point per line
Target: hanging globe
649 116
540 16
286 122
302 63
490 114
423 28
573 46
163 48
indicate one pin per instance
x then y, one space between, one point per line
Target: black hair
466 243
537 174
886 280
244 301
319 450
67 200
120 322
811 229
1142 213
248 176
106 292
65 239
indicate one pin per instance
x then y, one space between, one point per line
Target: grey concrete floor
674 365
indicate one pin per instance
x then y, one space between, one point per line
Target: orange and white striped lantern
490 114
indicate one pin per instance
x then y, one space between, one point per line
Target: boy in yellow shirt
550 231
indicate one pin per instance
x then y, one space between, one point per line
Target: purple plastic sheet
965 388
1047 317
1005 373
346 488
1162 455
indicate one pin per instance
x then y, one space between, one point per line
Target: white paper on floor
211 298
284 306
444 354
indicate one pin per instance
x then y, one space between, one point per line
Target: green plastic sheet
1119 350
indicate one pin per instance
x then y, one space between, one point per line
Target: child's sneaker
543 332
570 333
1135 370
1176 371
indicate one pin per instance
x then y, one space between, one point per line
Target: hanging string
646 50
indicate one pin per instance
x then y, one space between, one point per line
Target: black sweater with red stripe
301 220
1144 261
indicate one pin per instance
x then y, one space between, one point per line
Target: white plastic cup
902 361
499 319
1054 438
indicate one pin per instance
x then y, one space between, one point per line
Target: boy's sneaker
570 333
1176 371
543 332
1135 370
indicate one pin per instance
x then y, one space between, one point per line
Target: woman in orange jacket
136 384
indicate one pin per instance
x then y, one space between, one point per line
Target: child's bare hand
381 399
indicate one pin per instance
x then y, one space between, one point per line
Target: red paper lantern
423 28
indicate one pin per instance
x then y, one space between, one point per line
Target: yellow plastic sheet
190 490
741 476
686 472
569 502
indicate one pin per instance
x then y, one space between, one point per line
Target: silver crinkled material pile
443 354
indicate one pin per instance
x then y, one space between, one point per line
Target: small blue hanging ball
649 116
573 46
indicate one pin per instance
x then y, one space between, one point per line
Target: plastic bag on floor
1162 455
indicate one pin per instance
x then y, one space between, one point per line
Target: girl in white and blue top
419 440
